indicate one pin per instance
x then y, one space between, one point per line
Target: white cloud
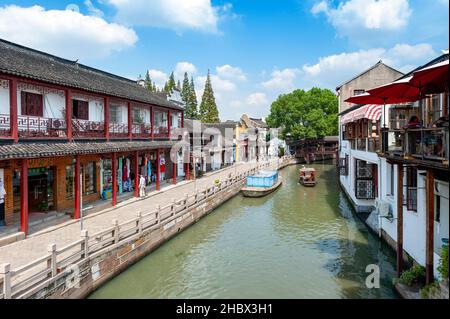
282 80
354 18
67 33
257 99
331 70
177 15
159 77
236 104
229 72
183 67
93 10
219 85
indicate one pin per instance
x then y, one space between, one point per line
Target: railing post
139 222
115 223
52 261
5 273
84 244
158 213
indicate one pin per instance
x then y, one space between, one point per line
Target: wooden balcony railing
86 129
118 129
143 130
37 127
161 132
5 128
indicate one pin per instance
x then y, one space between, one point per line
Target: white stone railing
16 282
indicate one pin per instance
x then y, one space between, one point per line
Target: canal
295 243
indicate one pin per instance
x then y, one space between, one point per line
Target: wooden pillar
136 174
114 179
24 196
430 228
130 122
13 110
187 171
169 123
152 121
77 209
158 170
106 102
69 115
174 174
399 220
182 119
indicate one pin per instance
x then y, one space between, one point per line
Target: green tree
193 103
148 83
190 108
208 108
170 84
305 114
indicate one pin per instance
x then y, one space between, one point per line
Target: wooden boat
308 176
261 184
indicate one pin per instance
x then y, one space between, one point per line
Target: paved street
25 251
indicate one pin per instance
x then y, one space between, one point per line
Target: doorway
40 189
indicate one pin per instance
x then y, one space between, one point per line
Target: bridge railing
15 283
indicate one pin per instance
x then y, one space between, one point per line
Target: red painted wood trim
77 208
174 173
69 115
169 123
158 170
182 119
136 174
130 122
24 196
429 266
114 179
13 116
106 113
152 121
187 172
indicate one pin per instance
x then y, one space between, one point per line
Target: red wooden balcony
41 127
5 128
88 129
142 130
118 129
161 132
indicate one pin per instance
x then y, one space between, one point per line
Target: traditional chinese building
69 131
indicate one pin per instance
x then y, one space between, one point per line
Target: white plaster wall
389 226
4 100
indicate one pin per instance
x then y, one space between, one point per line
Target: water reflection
296 243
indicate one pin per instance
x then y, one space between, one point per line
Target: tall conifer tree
208 108
193 99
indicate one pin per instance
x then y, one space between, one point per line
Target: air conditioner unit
383 208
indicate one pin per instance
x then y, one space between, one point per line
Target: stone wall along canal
295 243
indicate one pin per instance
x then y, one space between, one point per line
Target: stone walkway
23 252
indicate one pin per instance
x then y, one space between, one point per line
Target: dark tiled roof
259 122
28 63
37 150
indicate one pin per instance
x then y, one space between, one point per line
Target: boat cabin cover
263 179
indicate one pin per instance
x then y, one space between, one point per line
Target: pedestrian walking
142 186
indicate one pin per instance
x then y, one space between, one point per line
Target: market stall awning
370 111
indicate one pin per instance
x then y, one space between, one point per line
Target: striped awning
370 111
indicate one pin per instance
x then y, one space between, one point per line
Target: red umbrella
367 98
399 91
433 79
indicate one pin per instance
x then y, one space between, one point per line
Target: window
435 110
358 92
80 110
390 180
343 166
89 178
32 104
437 208
137 117
115 114
411 189
70 181
366 180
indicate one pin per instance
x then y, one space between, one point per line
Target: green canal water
295 243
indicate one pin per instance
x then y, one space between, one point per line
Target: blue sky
255 49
